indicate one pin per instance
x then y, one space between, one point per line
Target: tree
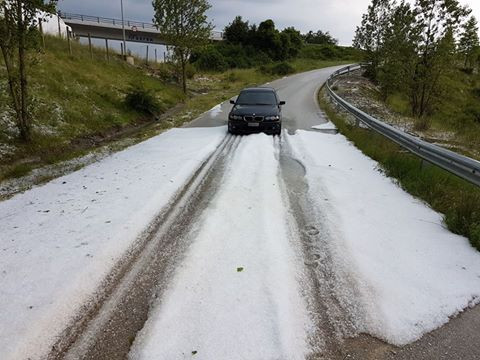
398 52
184 25
19 34
438 22
294 43
267 39
469 42
237 32
369 35
320 38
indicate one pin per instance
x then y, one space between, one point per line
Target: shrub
282 68
142 100
472 110
210 59
422 123
190 71
166 72
319 52
475 235
329 52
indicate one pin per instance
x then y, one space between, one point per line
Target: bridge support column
59 27
90 45
40 28
69 40
106 48
146 59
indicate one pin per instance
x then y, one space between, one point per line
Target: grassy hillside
74 97
457 113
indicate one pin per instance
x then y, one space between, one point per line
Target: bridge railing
103 20
216 35
462 166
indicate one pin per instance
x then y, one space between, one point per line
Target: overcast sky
340 17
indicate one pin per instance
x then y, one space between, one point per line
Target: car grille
253 118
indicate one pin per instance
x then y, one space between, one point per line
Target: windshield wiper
262 104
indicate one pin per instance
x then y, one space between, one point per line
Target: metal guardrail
216 35
462 166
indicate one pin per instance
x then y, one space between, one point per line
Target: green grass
457 199
457 112
76 97
17 170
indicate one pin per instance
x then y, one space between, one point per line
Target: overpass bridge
112 29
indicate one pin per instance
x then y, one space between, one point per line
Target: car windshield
257 98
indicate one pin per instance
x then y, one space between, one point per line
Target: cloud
340 17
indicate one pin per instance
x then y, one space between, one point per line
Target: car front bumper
242 126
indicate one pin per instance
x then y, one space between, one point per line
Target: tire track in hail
333 315
107 325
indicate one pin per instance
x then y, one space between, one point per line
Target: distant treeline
248 45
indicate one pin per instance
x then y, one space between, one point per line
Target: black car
256 110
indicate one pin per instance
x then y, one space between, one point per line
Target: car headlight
272 118
235 117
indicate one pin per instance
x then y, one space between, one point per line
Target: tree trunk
25 117
184 73
12 84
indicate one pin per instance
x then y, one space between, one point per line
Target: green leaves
469 44
184 25
410 50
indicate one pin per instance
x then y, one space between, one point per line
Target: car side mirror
282 103
232 102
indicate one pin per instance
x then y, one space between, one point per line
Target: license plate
253 124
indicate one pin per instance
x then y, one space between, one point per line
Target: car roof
259 89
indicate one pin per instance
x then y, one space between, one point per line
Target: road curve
299 90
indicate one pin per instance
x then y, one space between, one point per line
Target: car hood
260 110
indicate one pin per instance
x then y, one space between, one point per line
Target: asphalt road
299 91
